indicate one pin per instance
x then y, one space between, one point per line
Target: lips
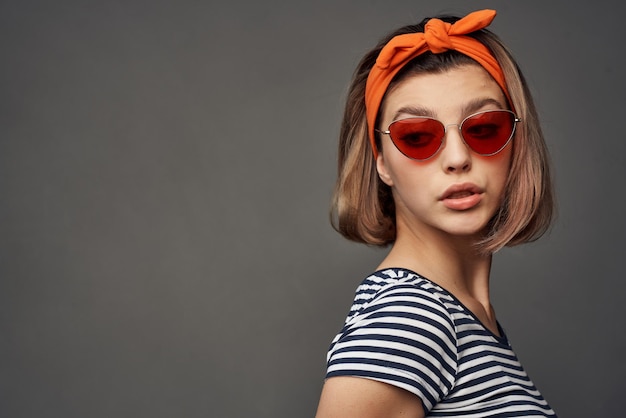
462 196
459 195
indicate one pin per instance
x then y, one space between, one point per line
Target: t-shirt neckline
502 338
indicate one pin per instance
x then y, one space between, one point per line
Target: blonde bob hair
363 209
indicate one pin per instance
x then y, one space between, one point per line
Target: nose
455 155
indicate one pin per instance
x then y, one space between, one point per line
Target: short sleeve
405 337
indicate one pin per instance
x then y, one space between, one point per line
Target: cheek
499 169
501 162
412 182
507 159
401 170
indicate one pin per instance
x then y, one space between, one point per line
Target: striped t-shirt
407 331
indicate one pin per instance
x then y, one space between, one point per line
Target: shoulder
402 293
400 331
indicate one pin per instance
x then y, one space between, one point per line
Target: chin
466 228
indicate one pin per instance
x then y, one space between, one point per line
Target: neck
451 262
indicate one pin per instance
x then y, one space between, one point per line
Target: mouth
462 196
459 191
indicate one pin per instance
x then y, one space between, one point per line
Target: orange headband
438 37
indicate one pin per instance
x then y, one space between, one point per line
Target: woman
442 157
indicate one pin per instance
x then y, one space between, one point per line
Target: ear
383 173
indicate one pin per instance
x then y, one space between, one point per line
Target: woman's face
456 192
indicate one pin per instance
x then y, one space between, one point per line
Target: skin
443 237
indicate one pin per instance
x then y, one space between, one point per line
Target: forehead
454 92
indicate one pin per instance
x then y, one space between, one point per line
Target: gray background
166 170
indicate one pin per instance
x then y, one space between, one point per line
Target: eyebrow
469 108
477 104
413 111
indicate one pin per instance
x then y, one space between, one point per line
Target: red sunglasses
486 133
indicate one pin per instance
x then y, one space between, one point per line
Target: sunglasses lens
417 138
488 132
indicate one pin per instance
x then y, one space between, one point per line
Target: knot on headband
438 37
